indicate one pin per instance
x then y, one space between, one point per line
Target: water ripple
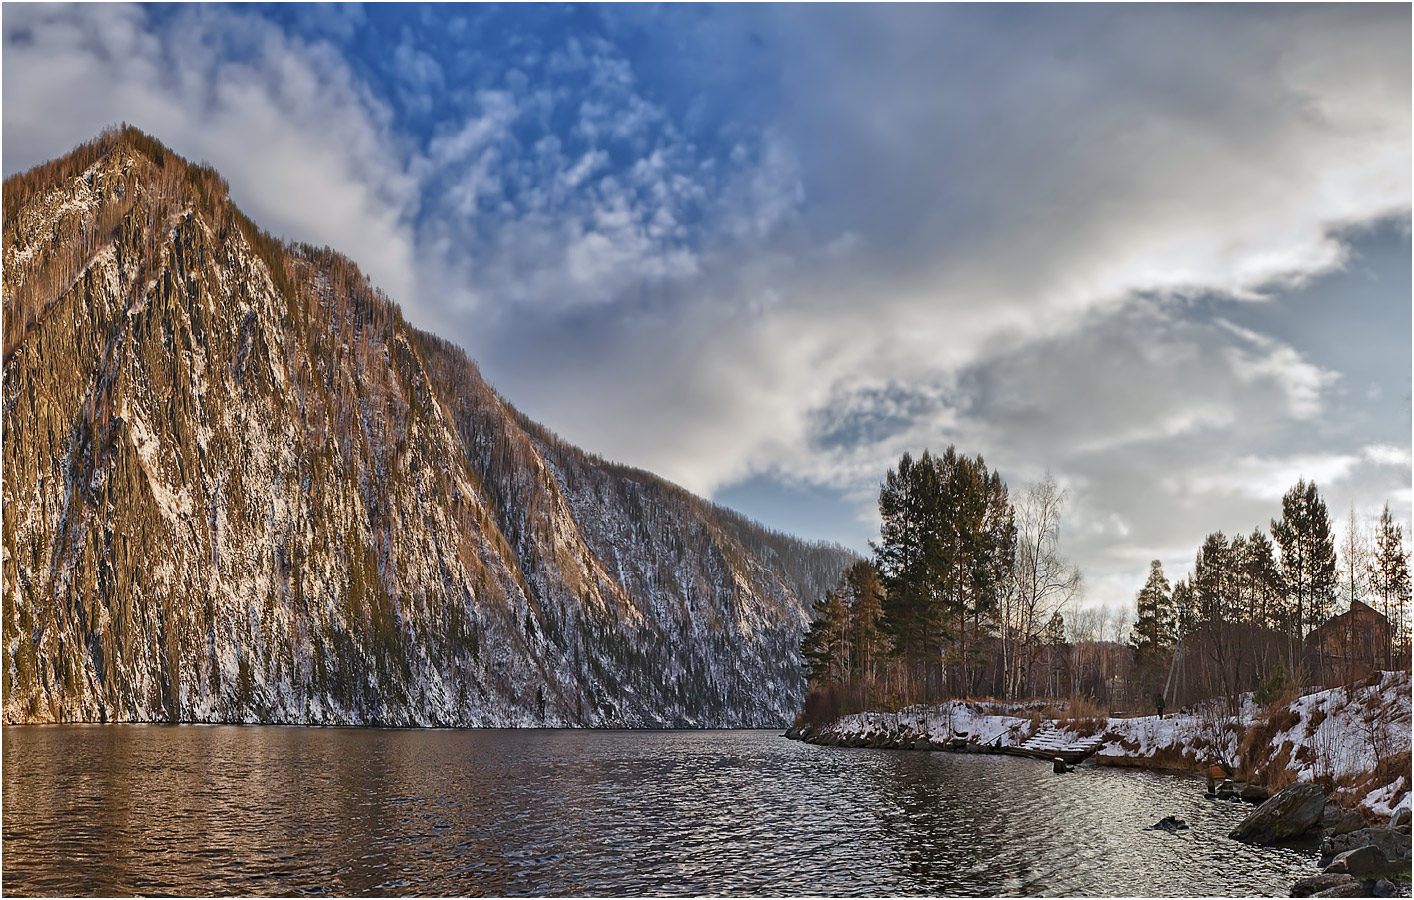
280 811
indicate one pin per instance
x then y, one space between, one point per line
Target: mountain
240 487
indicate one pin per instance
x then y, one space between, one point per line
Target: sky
1160 252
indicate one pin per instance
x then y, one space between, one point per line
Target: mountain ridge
241 487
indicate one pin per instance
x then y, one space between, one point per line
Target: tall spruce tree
1154 624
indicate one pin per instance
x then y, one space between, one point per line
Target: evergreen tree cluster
925 617
1241 618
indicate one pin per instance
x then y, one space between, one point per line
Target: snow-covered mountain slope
238 486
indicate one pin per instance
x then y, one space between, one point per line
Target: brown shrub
1278 774
1281 718
1078 707
1396 764
1088 727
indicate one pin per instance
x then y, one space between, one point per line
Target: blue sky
1162 252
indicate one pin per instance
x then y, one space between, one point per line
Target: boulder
1059 766
1170 824
1401 817
1313 884
1346 823
1393 844
1294 811
1384 888
1348 889
1368 861
1255 793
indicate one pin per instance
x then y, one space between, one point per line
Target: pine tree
1185 609
1263 589
1307 558
826 644
1389 581
945 555
1154 627
865 597
901 555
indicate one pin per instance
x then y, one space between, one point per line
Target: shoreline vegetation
1353 741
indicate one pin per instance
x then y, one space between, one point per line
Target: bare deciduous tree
1042 580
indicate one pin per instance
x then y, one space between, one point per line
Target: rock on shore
1294 811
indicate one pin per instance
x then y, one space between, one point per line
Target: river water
201 810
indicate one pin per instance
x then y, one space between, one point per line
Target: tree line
965 590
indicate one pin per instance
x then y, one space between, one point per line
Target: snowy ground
1358 738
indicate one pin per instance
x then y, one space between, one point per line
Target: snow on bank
988 724
1355 738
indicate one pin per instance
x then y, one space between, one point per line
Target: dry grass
1394 769
1318 715
1256 761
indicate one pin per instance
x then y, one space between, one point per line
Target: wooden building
1348 646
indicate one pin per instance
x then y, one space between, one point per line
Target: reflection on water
199 810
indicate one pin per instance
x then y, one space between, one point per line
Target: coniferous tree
826 644
1263 603
1307 559
866 610
1223 636
1262 582
1389 581
1185 608
1154 625
945 555
902 556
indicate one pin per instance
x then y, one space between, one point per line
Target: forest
968 594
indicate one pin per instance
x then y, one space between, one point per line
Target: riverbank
1354 741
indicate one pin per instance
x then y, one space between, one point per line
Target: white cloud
1266 478
1387 455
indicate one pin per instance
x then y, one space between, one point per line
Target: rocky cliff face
238 486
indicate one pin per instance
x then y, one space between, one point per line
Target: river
201 810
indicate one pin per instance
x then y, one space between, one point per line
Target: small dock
1050 744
